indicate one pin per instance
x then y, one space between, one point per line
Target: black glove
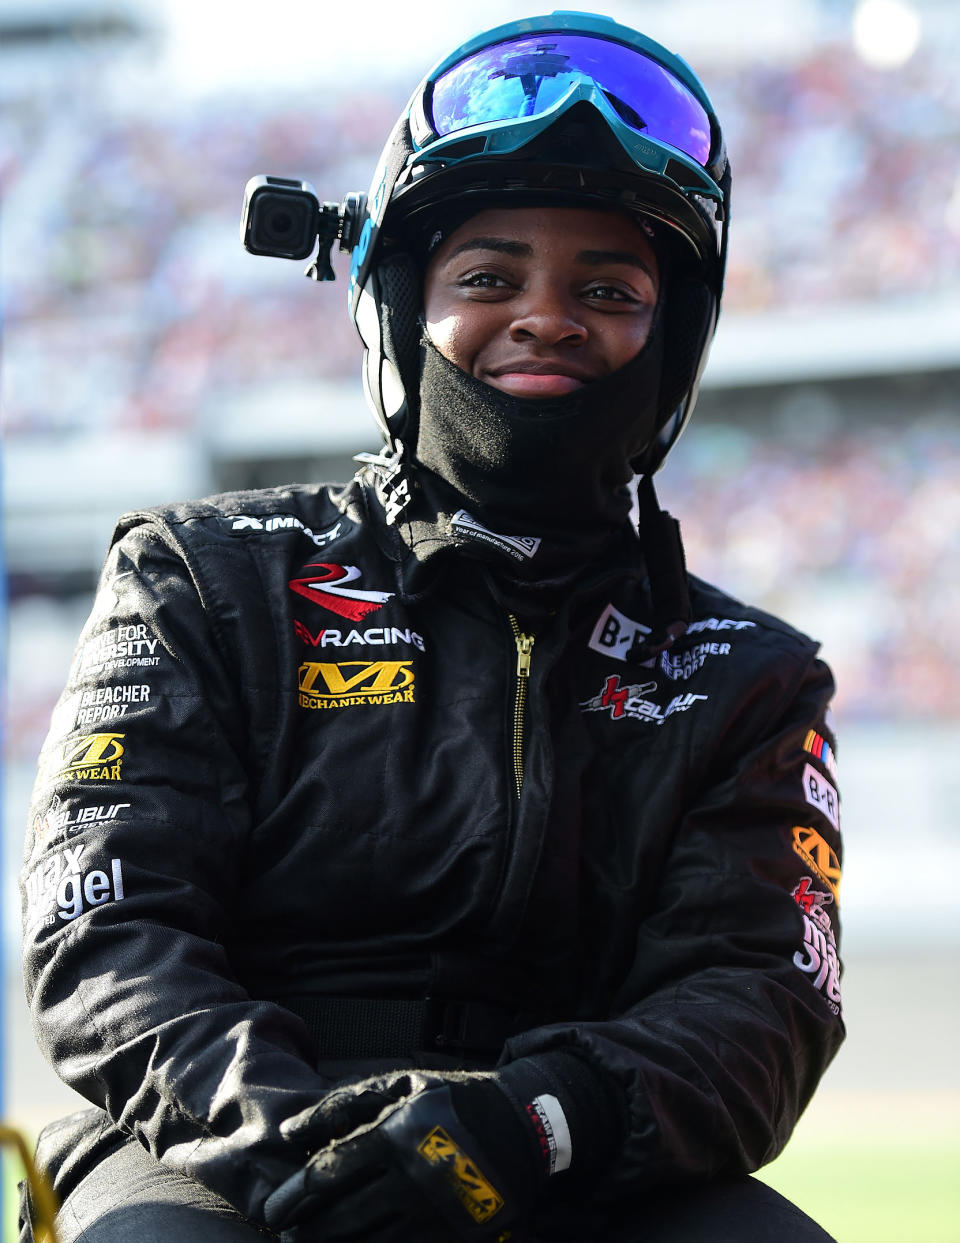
436 1156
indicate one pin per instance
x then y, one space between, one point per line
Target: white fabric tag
554 1120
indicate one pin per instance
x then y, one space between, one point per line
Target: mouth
538 378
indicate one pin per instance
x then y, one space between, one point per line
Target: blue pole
3 852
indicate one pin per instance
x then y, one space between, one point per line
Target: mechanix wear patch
472 1188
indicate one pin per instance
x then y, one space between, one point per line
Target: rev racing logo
373 636
328 587
355 683
632 701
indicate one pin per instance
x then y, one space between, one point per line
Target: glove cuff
575 1109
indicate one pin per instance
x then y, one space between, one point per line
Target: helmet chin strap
667 570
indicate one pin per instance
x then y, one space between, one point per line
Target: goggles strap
667 570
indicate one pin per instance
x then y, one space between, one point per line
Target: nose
549 316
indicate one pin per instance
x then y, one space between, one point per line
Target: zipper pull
524 653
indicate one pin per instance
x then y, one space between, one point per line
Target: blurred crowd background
147 357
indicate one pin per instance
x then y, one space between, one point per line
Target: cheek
625 337
444 330
458 330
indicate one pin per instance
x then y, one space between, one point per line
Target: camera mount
284 218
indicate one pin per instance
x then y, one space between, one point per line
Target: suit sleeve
132 863
731 1011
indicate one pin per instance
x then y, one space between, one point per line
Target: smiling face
538 301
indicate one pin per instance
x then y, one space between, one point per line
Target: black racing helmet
570 108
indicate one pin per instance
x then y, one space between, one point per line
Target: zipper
524 644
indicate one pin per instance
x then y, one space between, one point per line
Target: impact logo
91 757
819 793
355 683
63 887
467 1181
631 701
283 522
520 547
819 857
328 588
817 746
818 957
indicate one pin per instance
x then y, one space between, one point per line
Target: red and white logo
328 588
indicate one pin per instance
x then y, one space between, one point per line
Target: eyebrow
504 245
597 257
521 250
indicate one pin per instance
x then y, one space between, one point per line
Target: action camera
280 217
284 218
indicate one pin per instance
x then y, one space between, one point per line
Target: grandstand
147 356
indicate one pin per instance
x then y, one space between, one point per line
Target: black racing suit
294 768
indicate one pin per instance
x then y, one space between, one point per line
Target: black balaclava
538 489
546 467
556 470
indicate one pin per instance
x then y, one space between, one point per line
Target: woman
418 859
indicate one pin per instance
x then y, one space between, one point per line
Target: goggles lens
525 77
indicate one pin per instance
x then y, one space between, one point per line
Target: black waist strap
356 1027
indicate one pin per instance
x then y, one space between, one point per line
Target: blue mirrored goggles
527 76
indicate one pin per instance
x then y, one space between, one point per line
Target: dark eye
610 293
482 280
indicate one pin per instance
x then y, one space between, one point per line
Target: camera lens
279 224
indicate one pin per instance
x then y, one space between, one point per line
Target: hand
443 1156
413 1171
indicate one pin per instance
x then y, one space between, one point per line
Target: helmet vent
465 148
684 175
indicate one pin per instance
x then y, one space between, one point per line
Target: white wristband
554 1121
